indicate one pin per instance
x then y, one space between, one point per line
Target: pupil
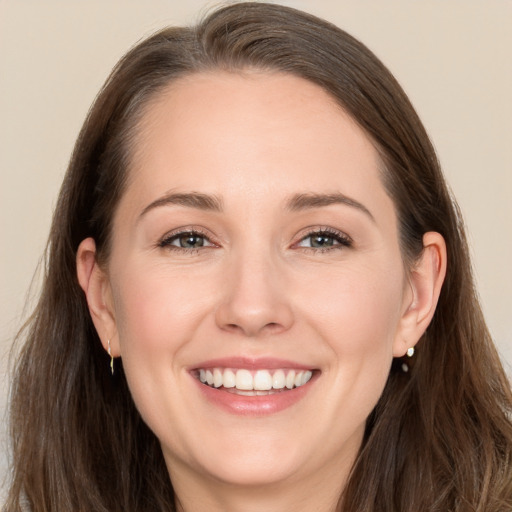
191 241
322 241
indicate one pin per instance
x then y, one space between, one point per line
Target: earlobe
96 286
425 280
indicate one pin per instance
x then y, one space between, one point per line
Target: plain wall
454 59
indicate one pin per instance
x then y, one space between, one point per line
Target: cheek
358 317
359 310
156 312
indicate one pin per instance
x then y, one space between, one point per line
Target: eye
325 239
186 240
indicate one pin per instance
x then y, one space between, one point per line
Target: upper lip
268 363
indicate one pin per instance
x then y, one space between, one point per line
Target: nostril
234 328
271 327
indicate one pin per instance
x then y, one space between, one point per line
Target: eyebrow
190 200
298 202
302 202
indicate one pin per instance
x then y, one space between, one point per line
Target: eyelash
341 240
167 241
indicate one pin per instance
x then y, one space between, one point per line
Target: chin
246 459
254 471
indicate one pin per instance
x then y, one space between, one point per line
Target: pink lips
252 405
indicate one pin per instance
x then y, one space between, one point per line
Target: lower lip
254 405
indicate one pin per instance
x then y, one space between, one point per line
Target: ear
96 286
425 282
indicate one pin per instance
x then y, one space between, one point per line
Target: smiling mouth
253 383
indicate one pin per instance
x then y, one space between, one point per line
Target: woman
258 293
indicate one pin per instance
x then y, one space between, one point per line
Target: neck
317 493
258 499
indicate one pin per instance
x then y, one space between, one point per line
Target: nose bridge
255 298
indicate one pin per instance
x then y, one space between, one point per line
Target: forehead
244 135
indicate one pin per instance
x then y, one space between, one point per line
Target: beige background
454 58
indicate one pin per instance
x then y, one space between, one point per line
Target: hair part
440 437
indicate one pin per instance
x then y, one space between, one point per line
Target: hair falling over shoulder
440 438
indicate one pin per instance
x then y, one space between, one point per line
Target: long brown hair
440 437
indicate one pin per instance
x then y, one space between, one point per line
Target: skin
257 287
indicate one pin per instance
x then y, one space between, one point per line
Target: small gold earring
111 358
410 352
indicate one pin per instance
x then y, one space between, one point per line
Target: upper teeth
260 380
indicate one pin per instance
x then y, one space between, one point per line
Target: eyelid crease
324 230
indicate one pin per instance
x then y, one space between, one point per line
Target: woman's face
255 248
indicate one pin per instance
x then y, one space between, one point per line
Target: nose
255 300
